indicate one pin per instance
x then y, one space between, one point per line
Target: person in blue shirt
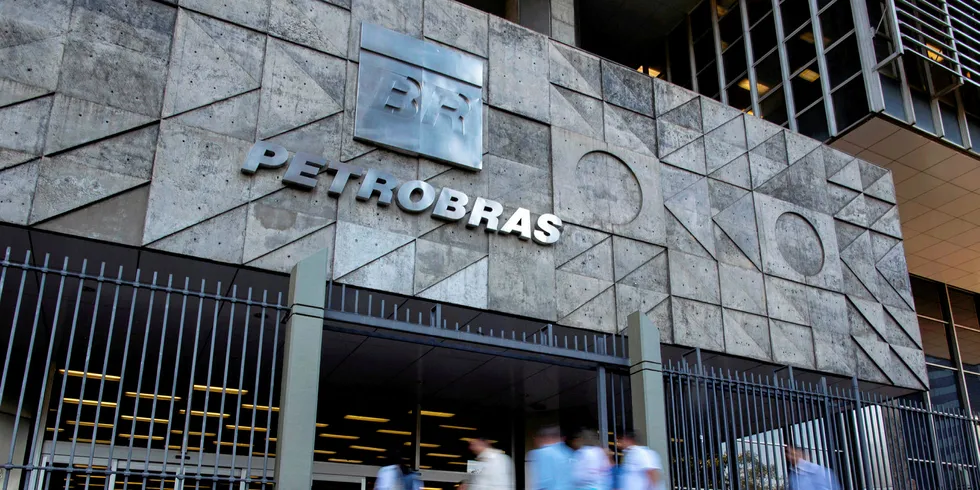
805 475
551 462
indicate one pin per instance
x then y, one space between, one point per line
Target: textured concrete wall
128 121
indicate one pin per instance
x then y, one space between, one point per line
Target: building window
850 103
935 343
943 388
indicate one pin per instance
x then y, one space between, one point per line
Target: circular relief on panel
799 244
607 190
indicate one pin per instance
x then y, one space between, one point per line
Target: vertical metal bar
85 366
690 55
822 66
207 382
417 446
255 385
722 421
601 402
272 380
13 329
777 18
931 428
829 427
864 34
772 453
176 369
615 420
224 380
911 456
690 473
706 414
156 379
105 360
240 385
190 385
139 382
697 448
865 465
749 57
716 34
122 374
735 397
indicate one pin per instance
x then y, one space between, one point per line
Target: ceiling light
141 436
653 72
247 428
91 403
424 467
146 419
198 413
323 451
192 433
395 432
750 112
84 374
934 53
259 407
808 37
151 396
94 466
178 448
220 389
640 69
362 418
368 448
320 426
443 455
271 455
457 427
430 413
338 436
423 444
722 11
226 443
470 439
97 441
809 75
273 439
762 88
90 424
458 463
352 461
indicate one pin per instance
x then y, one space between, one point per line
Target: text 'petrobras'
415 196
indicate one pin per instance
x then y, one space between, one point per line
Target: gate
728 430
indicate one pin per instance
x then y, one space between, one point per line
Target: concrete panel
799 146
724 144
91 173
235 117
792 344
742 289
517 185
689 157
714 114
118 219
353 149
607 188
35 19
392 272
143 26
747 335
694 277
668 97
679 127
522 278
518 139
457 25
320 138
29 69
404 16
518 70
446 251
828 311
735 172
299 86
22 130
220 238
358 245
190 165
312 23
654 304
692 208
652 275
834 352
630 130
16 191
575 112
787 301
212 61
627 88
894 270
674 180
727 252
285 216
629 255
390 218
768 158
575 290
883 188
596 262
859 259
599 313
575 69
723 195
803 183
112 75
575 240
283 259
698 324
76 121
467 287
250 13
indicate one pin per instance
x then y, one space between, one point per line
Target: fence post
864 464
934 442
647 385
301 372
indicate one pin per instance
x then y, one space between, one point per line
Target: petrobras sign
414 196
419 98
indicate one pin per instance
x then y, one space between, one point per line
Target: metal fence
729 430
119 379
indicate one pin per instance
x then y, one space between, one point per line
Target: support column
301 373
647 385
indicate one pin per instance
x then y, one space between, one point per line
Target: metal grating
944 32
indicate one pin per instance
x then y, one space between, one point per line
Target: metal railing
112 379
943 32
729 430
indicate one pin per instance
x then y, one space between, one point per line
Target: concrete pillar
301 372
647 385
563 22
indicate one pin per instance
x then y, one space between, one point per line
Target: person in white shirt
495 470
642 469
591 466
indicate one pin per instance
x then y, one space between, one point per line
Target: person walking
806 475
495 470
642 469
591 465
551 462
398 476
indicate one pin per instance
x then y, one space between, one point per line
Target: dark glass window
758 9
704 52
806 86
923 111
973 391
708 81
734 60
963 306
767 72
729 22
943 388
969 341
763 38
843 61
813 123
680 59
701 21
951 123
800 49
850 103
773 107
974 124
836 21
795 14
738 97
926 295
935 344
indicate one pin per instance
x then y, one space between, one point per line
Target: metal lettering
302 170
549 229
401 94
451 205
518 224
380 182
448 105
406 190
342 174
264 155
485 210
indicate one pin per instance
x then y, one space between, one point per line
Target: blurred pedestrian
806 475
398 476
591 464
551 462
495 470
642 469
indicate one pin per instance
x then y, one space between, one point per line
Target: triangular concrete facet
668 97
283 259
599 313
799 146
220 238
870 173
738 222
735 172
692 208
466 287
674 180
595 262
292 97
849 176
803 183
359 245
628 255
883 188
690 157
76 121
858 257
391 272
889 224
574 241
846 233
575 290
235 117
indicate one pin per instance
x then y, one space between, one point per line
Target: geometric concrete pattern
732 234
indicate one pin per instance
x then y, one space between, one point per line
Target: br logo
419 98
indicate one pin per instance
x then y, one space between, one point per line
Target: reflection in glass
734 60
973 391
969 342
813 122
773 107
951 123
729 21
806 87
767 73
738 97
800 50
836 21
943 388
795 14
964 308
843 61
708 81
763 38
850 103
926 295
935 344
